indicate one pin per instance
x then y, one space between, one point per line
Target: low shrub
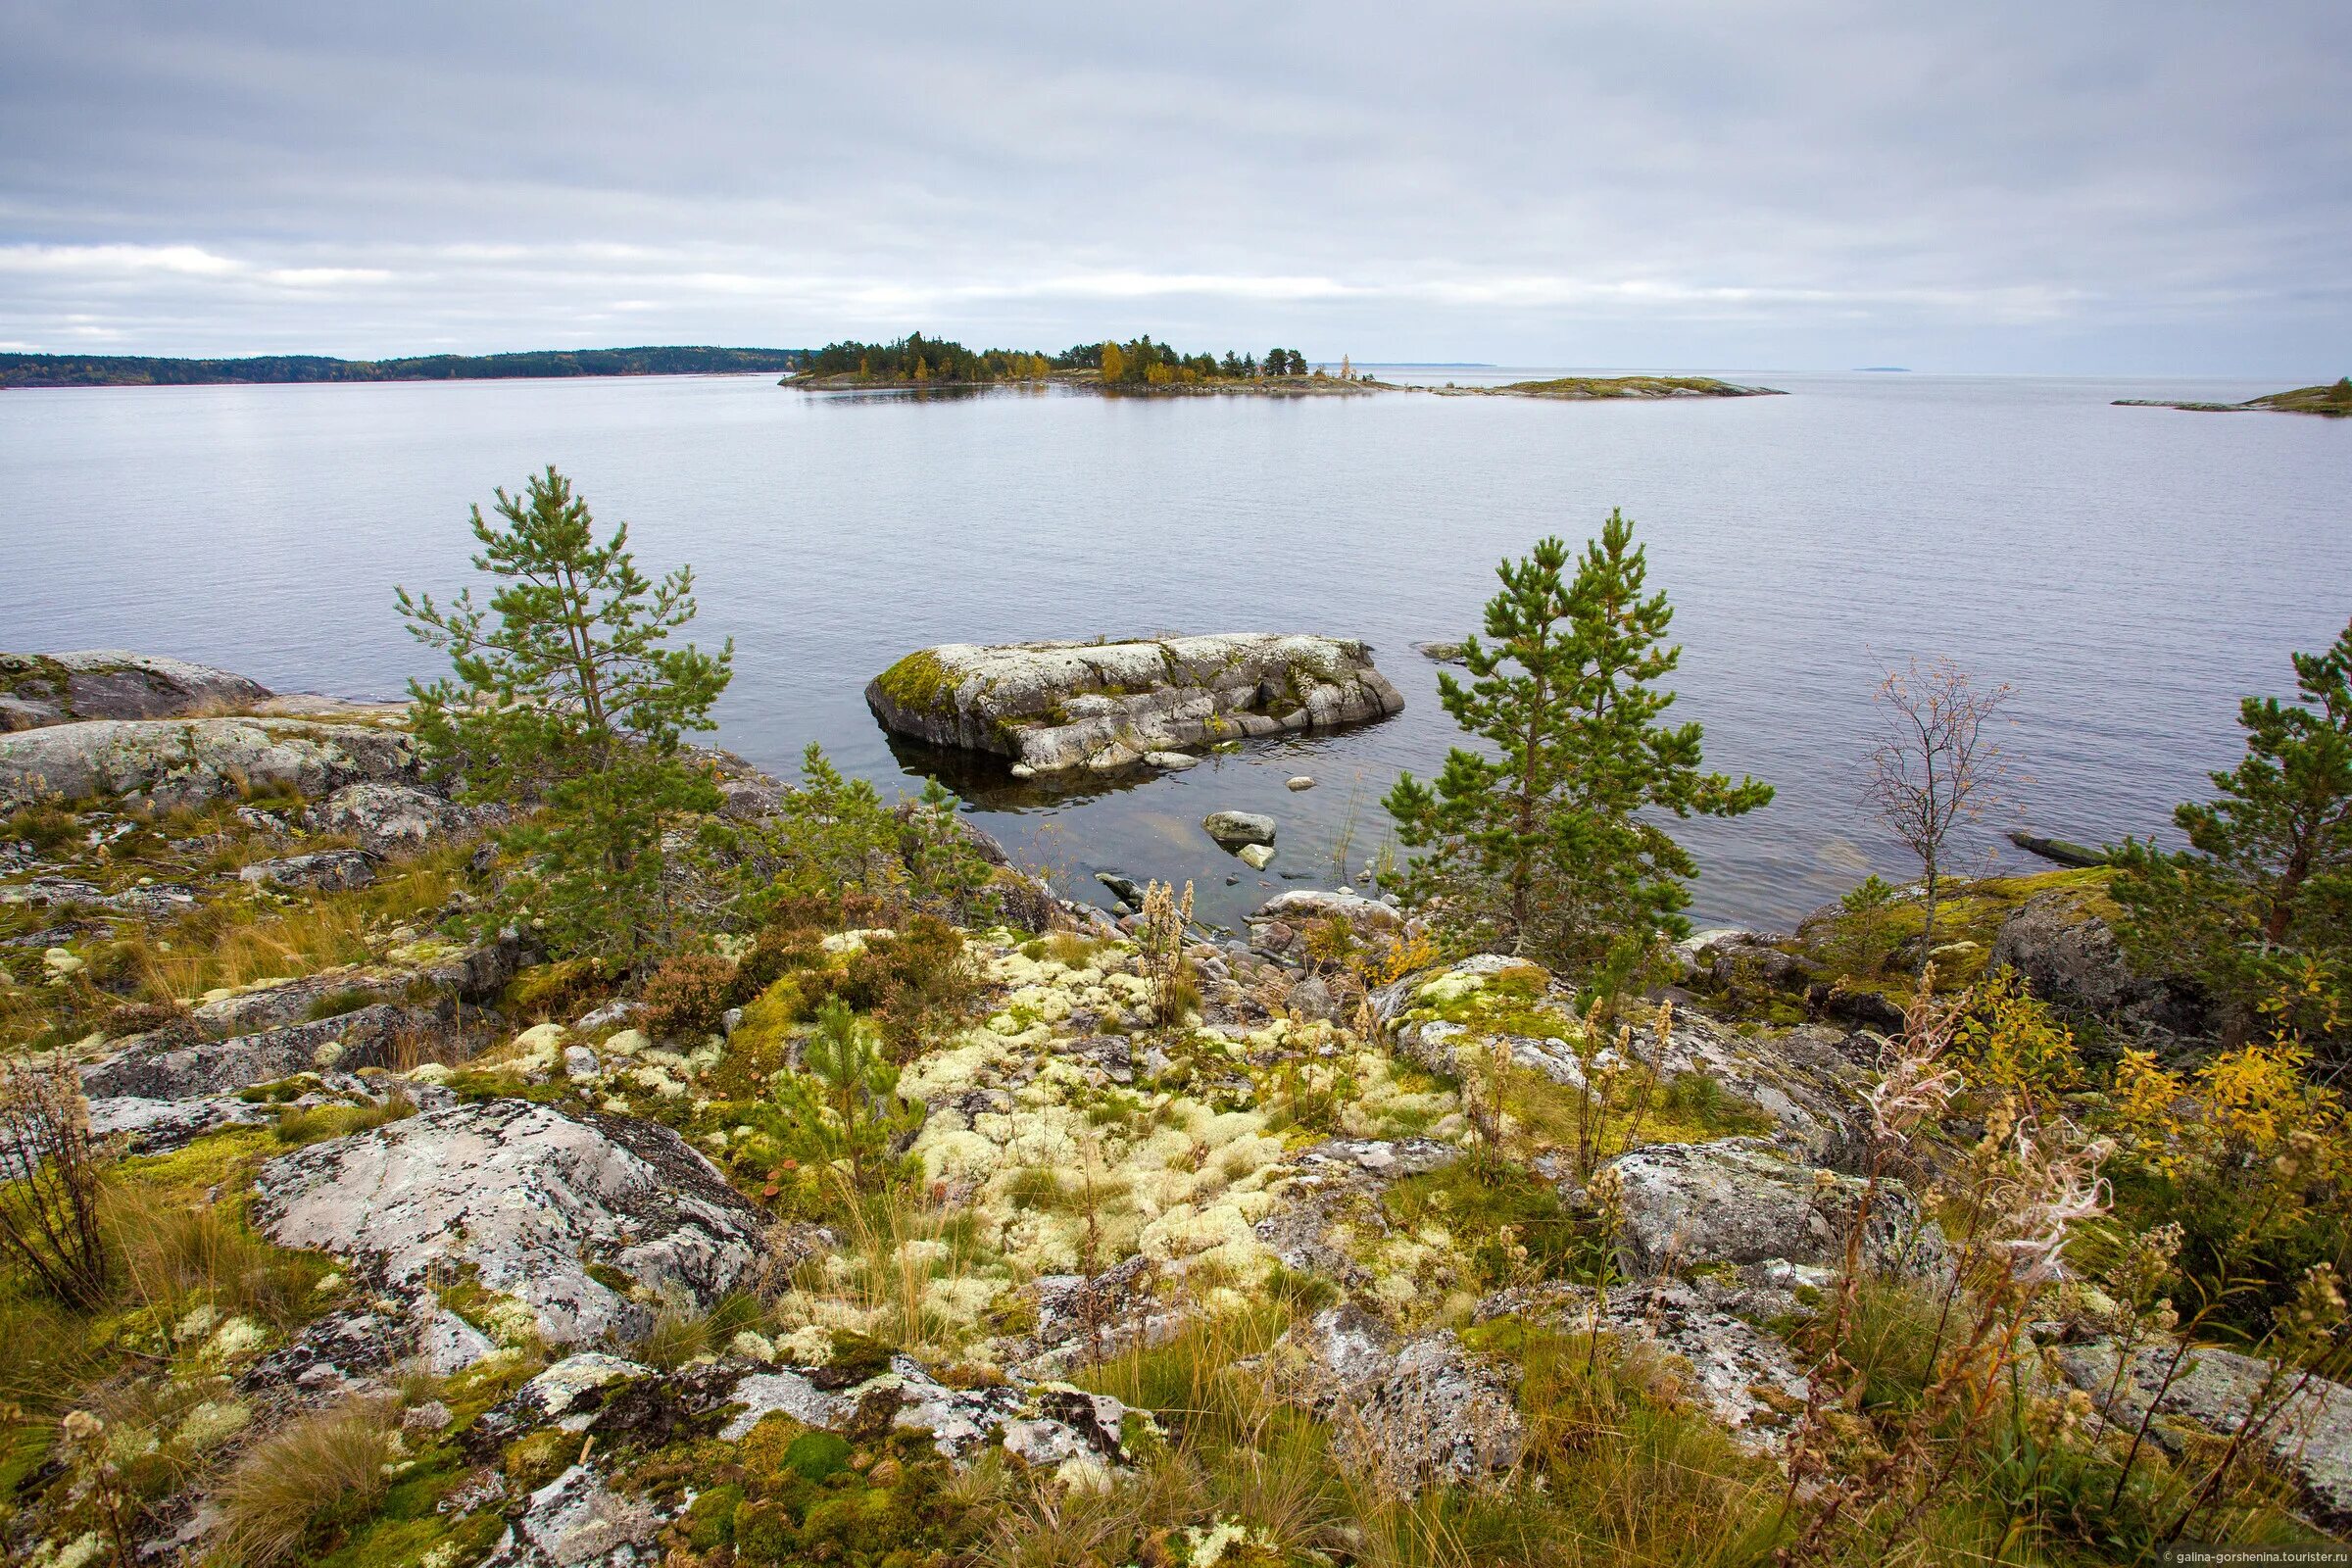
555 993
687 995
51 1180
776 951
912 983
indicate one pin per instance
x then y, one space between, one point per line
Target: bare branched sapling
1936 768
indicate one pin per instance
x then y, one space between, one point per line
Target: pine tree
568 702
2259 907
1544 843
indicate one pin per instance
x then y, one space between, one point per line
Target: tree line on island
1138 362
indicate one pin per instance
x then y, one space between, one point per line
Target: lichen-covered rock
1278 926
1744 1200
2072 960
175 762
397 819
1082 1318
326 871
2308 1431
158 1126
1746 1380
576 1519
42 689
1056 706
472 974
167 1069
1749 957
1809 1081
530 1197
1407 1415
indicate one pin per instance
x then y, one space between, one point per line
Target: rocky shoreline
546 1243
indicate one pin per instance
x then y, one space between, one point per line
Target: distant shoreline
2332 402
55 371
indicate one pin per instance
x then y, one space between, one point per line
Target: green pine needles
1548 842
568 697
2256 912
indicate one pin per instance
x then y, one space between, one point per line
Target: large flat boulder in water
1056 706
188 762
533 1197
40 689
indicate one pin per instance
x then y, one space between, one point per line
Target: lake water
2129 572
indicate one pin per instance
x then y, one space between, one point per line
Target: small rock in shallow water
1171 762
1301 782
1256 855
1234 828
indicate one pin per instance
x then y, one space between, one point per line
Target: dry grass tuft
304 1482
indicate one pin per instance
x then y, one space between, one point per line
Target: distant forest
102 369
1140 362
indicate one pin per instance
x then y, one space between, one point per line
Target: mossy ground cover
194 1296
168 955
1878 950
1032 1161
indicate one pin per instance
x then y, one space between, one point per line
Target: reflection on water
2131 571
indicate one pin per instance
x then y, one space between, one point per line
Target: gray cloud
2147 186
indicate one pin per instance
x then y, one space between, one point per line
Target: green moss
1489 1211
856 1358
317 1123
533 1461
1696 1107
817 1455
920 683
1968 919
763 1533
281 1091
554 991
610 1278
711 1521
36 678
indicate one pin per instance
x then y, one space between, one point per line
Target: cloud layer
2151 186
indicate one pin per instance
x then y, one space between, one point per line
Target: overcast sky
2158 186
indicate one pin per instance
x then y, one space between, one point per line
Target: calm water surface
2129 572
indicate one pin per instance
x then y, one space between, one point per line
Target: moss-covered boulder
1056 707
